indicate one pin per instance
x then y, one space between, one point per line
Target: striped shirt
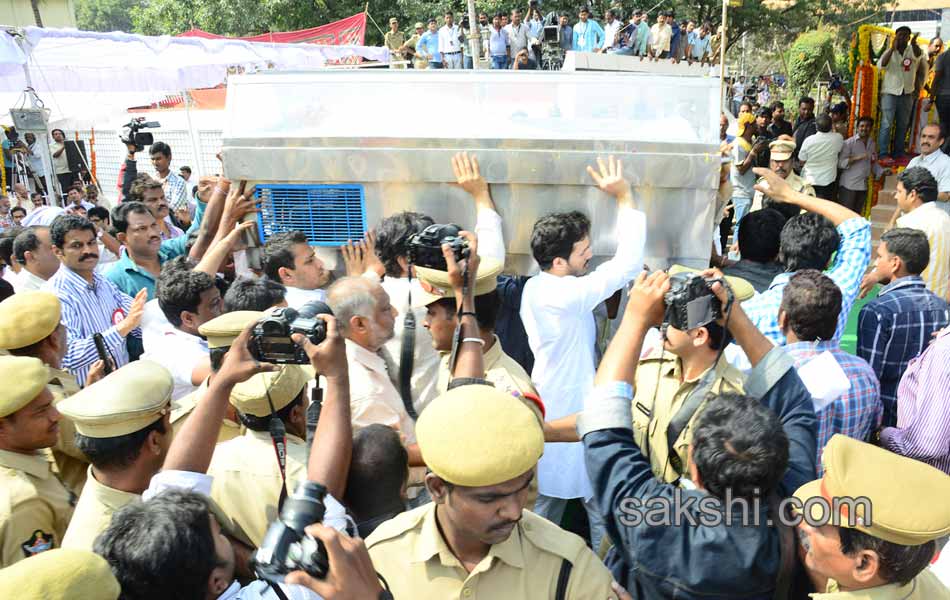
88 309
923 408
936 224
851 261
857 413
894 328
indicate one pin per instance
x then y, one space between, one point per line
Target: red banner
350 31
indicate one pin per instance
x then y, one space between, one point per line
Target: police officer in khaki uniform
60 574
247 476
879 550
475 540
122 426
30 326
676 376
220 333
35 507
781 163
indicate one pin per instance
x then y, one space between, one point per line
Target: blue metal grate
328 214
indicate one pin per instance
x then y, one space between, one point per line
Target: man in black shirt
805 123
779 125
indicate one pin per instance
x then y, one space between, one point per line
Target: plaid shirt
851 261
894 328
857 413
176 191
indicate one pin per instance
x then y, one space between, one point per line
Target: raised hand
468 176
609 177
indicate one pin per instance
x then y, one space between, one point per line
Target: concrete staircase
881 214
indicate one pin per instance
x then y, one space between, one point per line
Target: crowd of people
517 40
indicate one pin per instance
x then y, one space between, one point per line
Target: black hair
806 100
486 308
902 28
823 123
554 236
180 290
256 423
777 104
185 168
807 242
759 235
911 246
870 120
739 444
18 208
919 179
718 335
65 223
117 452
812 303
6 243
162 548
745 103
379 467
498 14
141 183
100 212
52 131
764 112
897 563
160 148
279 252
120 214
251 293
392 236
26 241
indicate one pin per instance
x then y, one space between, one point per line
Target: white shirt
25 281
60 164
36 161
938 164
936 224
154 324
449 40
517 37
373 397
297 297
820 155
558 318
610 32
901 72
180 353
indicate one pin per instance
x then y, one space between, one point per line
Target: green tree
105 15
810 56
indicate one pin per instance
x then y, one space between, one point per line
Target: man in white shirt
518 34
188 299
819 154
557 310
661 34
449 45
34 250
287 258
902 64
933 159
611 28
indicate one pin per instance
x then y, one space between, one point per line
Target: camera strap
457 336
278 436
407 351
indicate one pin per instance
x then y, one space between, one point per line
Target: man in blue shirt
588 34
428 46
699 45
144 251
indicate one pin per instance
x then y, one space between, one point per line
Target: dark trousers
826 191
943 112
853 199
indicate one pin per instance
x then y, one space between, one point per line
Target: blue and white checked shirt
894 328
851 262
857 413
89 309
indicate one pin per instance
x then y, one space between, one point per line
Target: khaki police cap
436 283
393 20
476 435
284 385
740 287
60 574
908 506
420 26
221 331
27 318
130 399
782 149
23 379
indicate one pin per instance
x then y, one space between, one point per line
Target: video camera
131 133
271 341
286 546
425 247
691 303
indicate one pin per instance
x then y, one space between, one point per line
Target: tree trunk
35 5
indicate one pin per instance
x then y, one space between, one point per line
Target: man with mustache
90 302
144 251
780 162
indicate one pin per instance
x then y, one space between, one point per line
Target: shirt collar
126 263
817 346
780 279
431 543
35 464
73 279
367 358
493 354
909 281
107 496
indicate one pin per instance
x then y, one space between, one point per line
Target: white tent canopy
68 60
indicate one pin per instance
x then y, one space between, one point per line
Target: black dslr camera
690 303
131 133
271 340
286 546
425 248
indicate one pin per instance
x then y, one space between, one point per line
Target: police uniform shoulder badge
40 541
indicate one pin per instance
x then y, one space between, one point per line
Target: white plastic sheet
69 60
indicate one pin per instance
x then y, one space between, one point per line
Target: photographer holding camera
757 447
